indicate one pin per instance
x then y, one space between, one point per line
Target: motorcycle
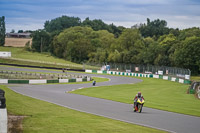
139 105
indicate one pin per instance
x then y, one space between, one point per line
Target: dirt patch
15 124
17 42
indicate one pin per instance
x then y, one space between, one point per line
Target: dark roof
19 34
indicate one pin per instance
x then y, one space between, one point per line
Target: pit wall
42 81
175 79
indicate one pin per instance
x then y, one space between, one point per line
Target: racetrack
56 93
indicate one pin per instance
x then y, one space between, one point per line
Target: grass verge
44 117
195 78
158 93
23 57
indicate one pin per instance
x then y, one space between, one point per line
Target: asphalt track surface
56 93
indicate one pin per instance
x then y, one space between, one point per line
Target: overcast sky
31 14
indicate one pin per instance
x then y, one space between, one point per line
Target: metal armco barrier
3 112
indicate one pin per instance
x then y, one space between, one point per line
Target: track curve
163 120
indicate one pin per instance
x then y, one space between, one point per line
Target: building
18 35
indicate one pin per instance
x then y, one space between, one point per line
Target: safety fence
149 69
43 81
170 78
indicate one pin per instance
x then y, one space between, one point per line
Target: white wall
3 120
5 54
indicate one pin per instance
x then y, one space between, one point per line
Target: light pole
41 45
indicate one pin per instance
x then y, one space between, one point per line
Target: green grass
44 117
195 78
23 57
23 54
158 93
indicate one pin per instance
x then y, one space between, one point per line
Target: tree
188 55
20 31
190 32
150 52
40 41
102 42
115 30
2 31
128 38
154 28
115 57
61 23
131 44
74 44
96 24
167 45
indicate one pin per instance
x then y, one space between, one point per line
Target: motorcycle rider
94 83
138 95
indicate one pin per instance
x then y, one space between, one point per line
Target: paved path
168 121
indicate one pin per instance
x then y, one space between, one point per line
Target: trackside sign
5 54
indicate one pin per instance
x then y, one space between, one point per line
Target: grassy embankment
44 117
23 57
158 93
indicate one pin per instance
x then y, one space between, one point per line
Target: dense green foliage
61 23
155 28
95 41
41 41
2 31
98 24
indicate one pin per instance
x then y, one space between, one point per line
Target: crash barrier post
170 78
3 112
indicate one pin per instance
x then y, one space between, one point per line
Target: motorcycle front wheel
140 108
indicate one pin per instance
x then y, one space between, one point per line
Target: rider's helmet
139 94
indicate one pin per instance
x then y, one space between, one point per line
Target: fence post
189 72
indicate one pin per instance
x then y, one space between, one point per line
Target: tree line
150 43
